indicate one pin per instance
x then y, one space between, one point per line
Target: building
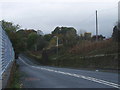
87 35
119 11
39 32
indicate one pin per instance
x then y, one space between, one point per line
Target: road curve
36 76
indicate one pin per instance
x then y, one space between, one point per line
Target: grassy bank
103 62
36 56
16 76
71 57
75 61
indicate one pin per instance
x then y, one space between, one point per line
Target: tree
71 37
57 30
36 42
48 37
100 37
116 34
52 42
32 41
24 33
67 35
41 42
118 25
11 29
23 36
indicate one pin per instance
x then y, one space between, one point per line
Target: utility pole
57 45
57 42
96 26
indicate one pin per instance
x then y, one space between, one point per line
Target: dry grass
87 47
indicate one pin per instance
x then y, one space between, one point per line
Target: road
36 76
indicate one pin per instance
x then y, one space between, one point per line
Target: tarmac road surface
37 76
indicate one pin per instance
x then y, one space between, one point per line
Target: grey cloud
47 15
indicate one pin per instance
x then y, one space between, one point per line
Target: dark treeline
44 47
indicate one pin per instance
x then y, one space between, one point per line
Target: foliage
48 37
71 46
9 27
36 42
16 78
116 33
32 41
100 37
23 35
52 42
41 43
87 47
67 35
57 30
74 61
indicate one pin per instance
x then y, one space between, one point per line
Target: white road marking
77 75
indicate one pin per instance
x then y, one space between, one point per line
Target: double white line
78 76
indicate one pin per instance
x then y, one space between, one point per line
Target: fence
6 56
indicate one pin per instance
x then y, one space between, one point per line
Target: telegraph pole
96 26
57 49
57 45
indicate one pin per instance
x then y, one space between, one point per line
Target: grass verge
16 77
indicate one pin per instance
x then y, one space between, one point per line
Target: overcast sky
45 15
